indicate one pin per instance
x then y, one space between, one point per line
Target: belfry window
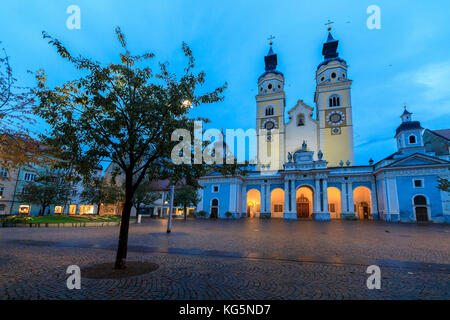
300 120
269 111
334 101
412 139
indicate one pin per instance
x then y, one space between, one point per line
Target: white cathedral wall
296 134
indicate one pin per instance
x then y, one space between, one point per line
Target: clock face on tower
269 124
335 118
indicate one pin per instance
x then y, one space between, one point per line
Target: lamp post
169 221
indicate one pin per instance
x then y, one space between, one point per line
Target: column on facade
244 201
263 198
351 203
393 199
268 194
374 200
293 197
238 200
286 196
343 198
325 195
316 201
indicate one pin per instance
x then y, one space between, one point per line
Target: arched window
420 200
215 203
334 101
269 111
412 139
301 120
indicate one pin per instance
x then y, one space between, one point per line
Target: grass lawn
61 219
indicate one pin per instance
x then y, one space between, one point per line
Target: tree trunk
98 209
43 210
184 212
125 223
169 221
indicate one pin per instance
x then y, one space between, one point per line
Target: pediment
417 160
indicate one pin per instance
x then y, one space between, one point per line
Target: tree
444 184
119 112
143 196
17 147
186 197
47 189
100 192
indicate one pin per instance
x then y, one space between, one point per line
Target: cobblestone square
233 259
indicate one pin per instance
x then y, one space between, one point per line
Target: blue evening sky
406 61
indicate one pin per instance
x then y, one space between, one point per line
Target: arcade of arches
253 203
334 202
277 203
363 203
305 203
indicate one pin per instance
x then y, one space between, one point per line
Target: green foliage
48 188
186 197
444 184
124 113
350 218
228 214
16 144
202 213
264 216
18 219
61 219
100 191
143 197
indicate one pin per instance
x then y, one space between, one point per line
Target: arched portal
277 203
214 209
420 208
334 202
363 203
253 203
304 197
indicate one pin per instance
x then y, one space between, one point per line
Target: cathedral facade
305 167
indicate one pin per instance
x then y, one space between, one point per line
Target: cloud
431 80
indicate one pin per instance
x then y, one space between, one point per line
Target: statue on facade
320 155
304 146
289 157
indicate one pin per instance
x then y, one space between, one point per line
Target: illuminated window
73 209
278 207
24 209
86 209
58 209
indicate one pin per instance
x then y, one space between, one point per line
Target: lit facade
306 166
